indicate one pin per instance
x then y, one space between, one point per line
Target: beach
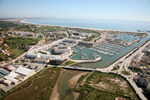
23 21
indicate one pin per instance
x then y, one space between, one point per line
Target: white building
24 71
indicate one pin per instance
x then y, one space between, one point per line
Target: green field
39 87
103 86
17 52
17 46
68 63
125 72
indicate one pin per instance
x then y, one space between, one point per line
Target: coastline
22 21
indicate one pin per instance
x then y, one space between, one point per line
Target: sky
103 9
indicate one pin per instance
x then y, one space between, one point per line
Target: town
27 49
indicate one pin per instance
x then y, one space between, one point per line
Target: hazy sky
106 9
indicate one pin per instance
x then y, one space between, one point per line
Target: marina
108 49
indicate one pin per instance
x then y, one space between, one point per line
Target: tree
46 66
36 67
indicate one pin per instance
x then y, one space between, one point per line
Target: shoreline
22 21
55 94
73 82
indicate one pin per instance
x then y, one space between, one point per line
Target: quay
86 61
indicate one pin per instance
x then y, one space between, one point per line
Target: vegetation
114 69
101 95
6 26
39 86
111 41
103 86
17 45
81 78
88 31
147 53
125 72
135 70
17 61
3 57
68 63
90 38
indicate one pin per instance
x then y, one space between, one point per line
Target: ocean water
120 25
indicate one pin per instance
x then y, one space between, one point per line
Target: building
9 67
11 79
7 82
60 50
24 71
57 61
69 40
88 44
144 80
40 60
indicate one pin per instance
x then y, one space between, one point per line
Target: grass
100 93
17 61
68 63
3 57
44 83
1 93
17 52
90 38
114 69
125 72
81 78
17 46
96 76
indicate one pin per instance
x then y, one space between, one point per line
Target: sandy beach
74 81
22 21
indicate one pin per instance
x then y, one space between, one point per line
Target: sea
108 24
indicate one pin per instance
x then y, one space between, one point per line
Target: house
10 67
1 41
1 34
7 34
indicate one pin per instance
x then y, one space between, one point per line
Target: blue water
120 25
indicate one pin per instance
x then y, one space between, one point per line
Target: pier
86 61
